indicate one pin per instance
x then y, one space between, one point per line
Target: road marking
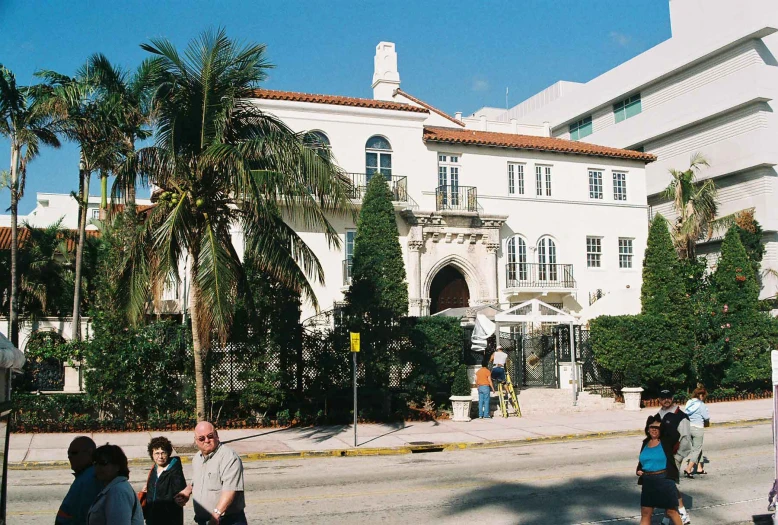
659 512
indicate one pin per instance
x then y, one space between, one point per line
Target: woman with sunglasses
658 473
117 503
164 482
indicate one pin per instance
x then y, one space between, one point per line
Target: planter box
461 408
632 398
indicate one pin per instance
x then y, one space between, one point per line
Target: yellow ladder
507 388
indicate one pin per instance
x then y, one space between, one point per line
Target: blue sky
457 56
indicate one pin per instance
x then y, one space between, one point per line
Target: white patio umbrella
10 356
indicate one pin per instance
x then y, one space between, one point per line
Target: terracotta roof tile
292 96
24 234
510 140
431 108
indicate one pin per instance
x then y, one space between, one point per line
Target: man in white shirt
498 360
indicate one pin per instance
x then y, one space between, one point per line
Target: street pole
355 398
774 362
573 366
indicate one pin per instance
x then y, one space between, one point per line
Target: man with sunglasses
85 487
675 418
217 481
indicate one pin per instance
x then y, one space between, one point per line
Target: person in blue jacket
85 487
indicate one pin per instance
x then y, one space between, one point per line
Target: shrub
649 350
461 385
435 353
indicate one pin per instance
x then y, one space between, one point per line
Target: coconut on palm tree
27 125
217 163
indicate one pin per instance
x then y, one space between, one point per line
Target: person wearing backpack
676 419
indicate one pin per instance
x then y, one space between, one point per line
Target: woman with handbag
165 481
698 420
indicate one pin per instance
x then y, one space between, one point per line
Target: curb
397 451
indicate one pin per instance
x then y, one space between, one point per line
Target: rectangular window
448 179
629 107
625 253
593 252
581 129
595 184
442 175
619 186
350 236
542 176
539 180
515 179
95 213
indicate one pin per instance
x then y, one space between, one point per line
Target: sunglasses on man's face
209 437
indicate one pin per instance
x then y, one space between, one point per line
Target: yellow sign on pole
354 341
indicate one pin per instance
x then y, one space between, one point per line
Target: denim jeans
498 374
483 401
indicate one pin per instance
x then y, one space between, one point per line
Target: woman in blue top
657 471
698 416
165 481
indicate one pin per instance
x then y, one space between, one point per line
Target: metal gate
593 374
535 362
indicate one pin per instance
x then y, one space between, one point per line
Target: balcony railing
398 185
539 275
456 198
347 266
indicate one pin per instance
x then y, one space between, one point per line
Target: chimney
514 126
546 128
483 122
386 78
458 116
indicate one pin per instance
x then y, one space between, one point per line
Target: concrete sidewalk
41 450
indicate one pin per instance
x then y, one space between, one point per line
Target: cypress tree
734 281
663 291
750 232
378 293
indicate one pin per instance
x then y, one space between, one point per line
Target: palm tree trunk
76 328
13 315
199 349
103 195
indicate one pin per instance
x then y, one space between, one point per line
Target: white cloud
620 38
479 84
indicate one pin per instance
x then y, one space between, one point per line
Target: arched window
319 141
517 260
378 157
547 268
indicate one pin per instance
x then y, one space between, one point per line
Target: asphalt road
573 482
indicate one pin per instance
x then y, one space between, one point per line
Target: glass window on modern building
543 181
619 186
378 157
515 179
581 128
594 252
629 107
595 184
625 253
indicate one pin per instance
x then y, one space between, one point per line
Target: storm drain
422 447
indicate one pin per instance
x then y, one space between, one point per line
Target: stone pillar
72 379
492 291
415 292
632 398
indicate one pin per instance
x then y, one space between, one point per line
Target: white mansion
488 212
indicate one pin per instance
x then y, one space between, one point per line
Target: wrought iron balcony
539 275
347 266
398 185
463 198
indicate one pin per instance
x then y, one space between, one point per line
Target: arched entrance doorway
448 290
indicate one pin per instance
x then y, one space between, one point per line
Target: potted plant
461 395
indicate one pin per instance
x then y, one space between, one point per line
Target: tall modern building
711 88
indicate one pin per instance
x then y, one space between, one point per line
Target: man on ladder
499 360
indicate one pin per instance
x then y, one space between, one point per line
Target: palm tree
219 162
26 126
696 206
89 116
